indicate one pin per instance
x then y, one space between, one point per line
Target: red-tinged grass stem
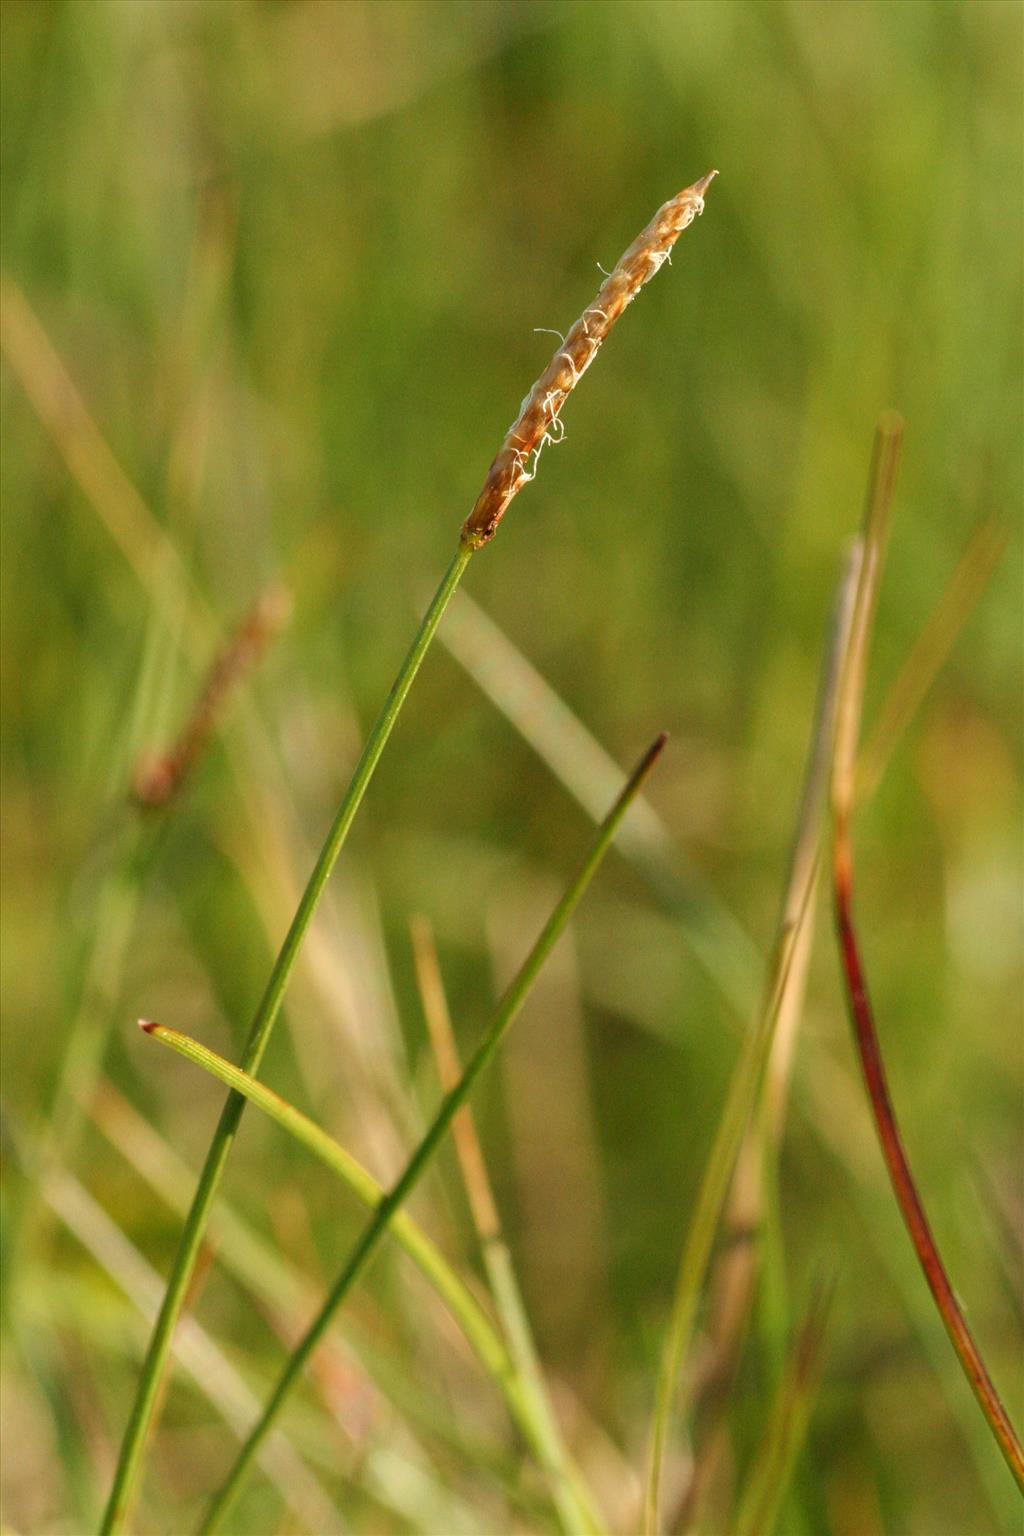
885 468
501 1019
898 1164
783 977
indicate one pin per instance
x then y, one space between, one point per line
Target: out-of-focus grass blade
503 1016
172 594
126 849
930 651
201 1357
463 1306
251 1259
285 1292
574 1501
787 1425
144 1406
592 777
170 591
746 1079
885 464
751 1212
114 499
486 1344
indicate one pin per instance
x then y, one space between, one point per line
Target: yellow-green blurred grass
293 256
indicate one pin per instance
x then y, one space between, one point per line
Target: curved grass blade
282 1291
466 1310
737 1267
900 1174
129 1463
506 1011
861 1013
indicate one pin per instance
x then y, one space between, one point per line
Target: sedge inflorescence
538 421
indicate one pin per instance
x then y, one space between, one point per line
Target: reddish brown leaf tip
148 1025
651 756
155 780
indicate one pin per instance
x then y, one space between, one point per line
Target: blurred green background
293 257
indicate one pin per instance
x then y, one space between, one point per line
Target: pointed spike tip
651 756
148 1025
700 187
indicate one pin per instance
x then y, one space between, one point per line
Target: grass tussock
270 278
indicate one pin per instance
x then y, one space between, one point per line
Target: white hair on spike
539 422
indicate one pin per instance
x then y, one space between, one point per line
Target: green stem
742 1095
501 1019
573 1499
740 1100
464 1307
130 1460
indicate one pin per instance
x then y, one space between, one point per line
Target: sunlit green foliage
293 257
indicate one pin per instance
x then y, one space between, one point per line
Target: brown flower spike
158 778
538 420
